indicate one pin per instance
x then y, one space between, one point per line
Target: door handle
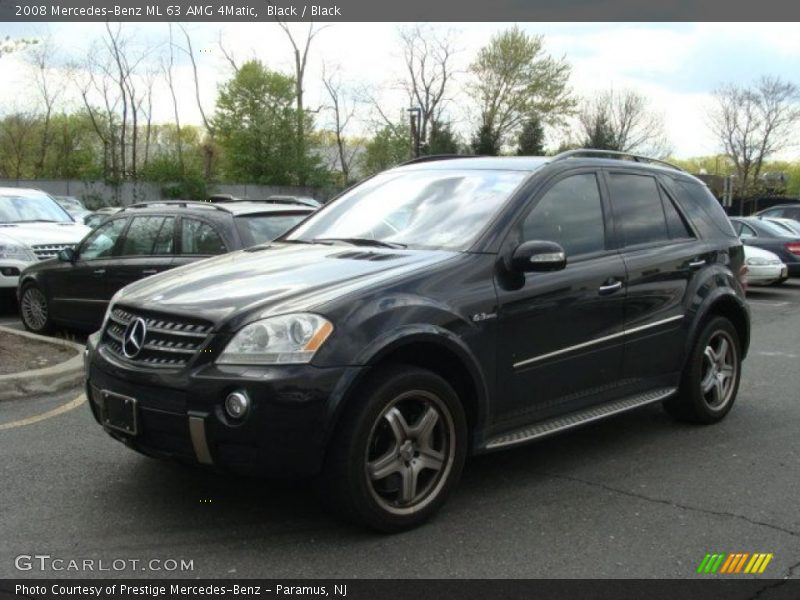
149 271
697 263
99 272
609 288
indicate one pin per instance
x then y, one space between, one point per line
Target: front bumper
10 270
181 416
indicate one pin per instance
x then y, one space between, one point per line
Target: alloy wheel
720 366
34 308
410 452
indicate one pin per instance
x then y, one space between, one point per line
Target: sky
676 65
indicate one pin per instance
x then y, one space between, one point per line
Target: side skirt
576 419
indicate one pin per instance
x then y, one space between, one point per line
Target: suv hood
272 280
32 234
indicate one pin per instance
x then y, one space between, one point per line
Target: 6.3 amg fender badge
133 338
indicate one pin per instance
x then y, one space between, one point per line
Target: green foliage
442 139
485 142
255 123
514 79
600 134
390 146
530 141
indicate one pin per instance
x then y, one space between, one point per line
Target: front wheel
710 379
399 449
34 310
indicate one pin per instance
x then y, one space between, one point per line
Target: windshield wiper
39 221
356 241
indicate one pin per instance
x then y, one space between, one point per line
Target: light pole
415 114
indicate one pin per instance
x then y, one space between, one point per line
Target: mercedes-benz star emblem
133 338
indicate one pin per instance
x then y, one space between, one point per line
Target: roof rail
179 203
432 157
592 153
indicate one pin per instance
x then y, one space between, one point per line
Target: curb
43 381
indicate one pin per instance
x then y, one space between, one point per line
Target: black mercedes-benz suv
439 309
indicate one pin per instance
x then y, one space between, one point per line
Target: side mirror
67 255
538 256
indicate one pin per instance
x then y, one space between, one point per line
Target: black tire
705 394
369 431
34 310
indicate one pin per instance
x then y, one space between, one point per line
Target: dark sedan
136 242
761 233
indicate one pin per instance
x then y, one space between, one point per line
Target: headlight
288 339
760 261
16 251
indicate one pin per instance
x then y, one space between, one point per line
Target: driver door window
571 214
100 244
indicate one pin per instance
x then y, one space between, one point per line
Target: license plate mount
120 413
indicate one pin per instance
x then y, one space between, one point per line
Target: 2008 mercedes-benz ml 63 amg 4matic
439 309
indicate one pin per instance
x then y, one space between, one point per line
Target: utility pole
415 114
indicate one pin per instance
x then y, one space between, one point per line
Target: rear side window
198 237
148 236
637 208
571 214
703 209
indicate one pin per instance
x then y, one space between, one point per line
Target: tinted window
257 229
746 231
675 224
100 243
569 213
145 236
637 208
198 237
703 209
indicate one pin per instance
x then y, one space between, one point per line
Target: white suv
33 227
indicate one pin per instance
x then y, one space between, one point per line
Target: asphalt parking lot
634 496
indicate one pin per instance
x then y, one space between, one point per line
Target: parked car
790 225
764 267
754 231
136 242
94 219
73 206
439 309
33 227
786 211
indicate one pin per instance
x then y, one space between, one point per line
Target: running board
581 417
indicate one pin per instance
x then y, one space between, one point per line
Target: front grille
45 251
170 342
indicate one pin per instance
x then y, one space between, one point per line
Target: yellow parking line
46 415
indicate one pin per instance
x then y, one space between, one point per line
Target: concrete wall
98 193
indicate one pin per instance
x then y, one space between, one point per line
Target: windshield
32 208
426 208
260 228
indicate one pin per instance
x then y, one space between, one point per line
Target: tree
389 147
530 141
752 123
255 126
514 78
442 139
428 73
624 122
342 108
485 142
7 45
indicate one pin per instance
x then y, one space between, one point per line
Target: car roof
21 192
242 207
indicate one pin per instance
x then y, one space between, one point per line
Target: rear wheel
710 379
34 310
398 451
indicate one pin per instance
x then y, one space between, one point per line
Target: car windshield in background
31 209
265 227
425 208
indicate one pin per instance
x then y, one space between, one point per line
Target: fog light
237 404
10 271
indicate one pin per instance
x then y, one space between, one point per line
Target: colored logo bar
737 562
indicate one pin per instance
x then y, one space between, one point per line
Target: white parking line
765 303
46 415
782 354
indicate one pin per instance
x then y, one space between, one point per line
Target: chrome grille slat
46 251
171 341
